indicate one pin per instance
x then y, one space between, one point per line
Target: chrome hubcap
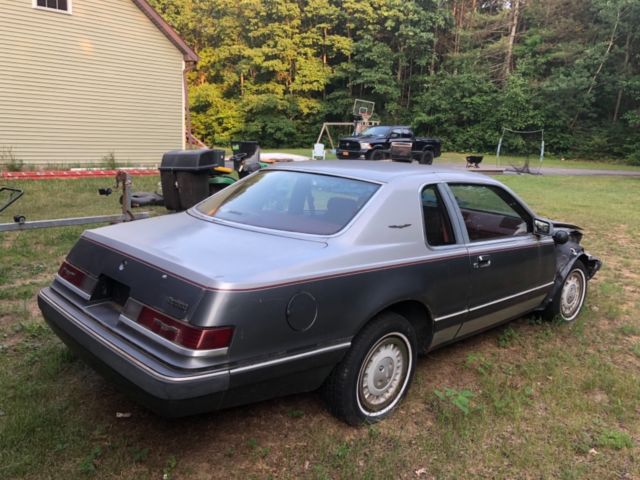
383 373
572 295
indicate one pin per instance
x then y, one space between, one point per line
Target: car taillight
188 336
77 277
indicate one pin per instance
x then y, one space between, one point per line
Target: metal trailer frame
15 194
123 179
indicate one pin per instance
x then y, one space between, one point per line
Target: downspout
188 66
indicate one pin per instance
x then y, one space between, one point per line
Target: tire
375 374
426 158
376 154
568 301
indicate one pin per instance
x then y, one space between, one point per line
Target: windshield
291 201
376 132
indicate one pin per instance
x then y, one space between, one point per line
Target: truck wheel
375 374
426 158
376 154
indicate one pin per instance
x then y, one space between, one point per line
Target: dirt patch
6 321
9 336
599 397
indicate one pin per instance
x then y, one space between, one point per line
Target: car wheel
568 301
426 158
376 154
376 372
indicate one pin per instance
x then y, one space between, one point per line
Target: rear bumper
173 392
153 384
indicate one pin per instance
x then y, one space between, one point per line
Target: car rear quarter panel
344 303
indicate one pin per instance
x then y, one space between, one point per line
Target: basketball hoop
362 113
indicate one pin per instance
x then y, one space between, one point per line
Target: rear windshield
291 201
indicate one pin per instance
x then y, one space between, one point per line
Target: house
85 80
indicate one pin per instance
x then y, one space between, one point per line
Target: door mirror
560 236
541 227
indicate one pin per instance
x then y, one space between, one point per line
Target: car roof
380 171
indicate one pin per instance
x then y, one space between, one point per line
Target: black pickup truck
375 143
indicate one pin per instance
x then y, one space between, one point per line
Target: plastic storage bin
185 176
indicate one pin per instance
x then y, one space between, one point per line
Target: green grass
504 161
534 162
529 400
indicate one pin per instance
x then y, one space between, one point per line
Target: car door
511 269
447 273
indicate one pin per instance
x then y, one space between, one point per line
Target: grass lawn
504 161
534 162
529 400
446 158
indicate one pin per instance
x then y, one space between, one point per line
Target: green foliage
274 70
89 463
296 413
10 161
461 399
169 467
109 161
479 364
507 337
614 439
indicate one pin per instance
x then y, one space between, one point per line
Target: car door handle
482 261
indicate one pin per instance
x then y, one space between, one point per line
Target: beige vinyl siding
75 87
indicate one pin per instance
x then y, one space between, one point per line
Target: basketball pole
499 147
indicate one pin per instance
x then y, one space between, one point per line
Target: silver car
308 275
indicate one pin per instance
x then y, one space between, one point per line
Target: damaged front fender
567 254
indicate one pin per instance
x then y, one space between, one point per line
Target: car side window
490 212
437 224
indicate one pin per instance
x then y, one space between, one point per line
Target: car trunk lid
200 252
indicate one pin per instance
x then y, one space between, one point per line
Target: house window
59 5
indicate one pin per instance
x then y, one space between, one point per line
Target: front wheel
375 374
568 301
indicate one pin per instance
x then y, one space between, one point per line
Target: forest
460 70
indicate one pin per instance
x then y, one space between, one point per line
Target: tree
274 70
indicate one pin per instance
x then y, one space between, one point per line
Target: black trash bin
185 176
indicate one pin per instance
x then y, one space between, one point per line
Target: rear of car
188 313
131 321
